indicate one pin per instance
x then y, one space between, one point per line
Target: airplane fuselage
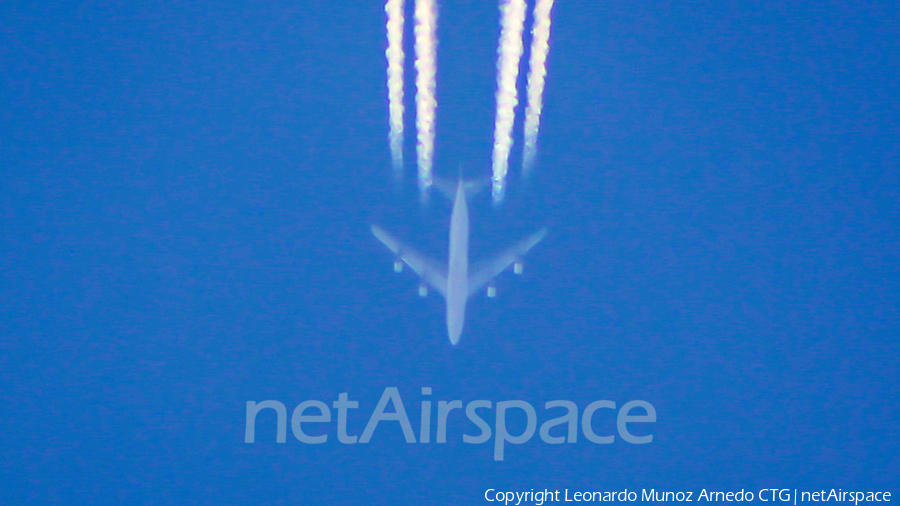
458 269
456 280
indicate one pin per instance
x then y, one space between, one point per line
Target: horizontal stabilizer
449 188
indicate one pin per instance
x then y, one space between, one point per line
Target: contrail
537 72
395 58
426 68
509 54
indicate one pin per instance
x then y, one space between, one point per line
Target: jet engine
518 266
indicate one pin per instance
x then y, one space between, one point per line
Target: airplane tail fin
448 188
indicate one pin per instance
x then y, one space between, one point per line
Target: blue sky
188 189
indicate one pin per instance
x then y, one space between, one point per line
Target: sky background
187 190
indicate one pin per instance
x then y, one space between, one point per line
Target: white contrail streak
395 58
509 54
537 72
426 68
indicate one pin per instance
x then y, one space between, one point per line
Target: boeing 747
454 280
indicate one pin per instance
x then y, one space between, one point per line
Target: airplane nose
454 332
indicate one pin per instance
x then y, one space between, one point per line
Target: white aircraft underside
456 281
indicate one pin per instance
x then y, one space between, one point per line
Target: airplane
454 280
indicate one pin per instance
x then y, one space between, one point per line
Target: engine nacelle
398 266
518 266
423 290
491 291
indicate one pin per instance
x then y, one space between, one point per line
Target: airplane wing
430 271
488 270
